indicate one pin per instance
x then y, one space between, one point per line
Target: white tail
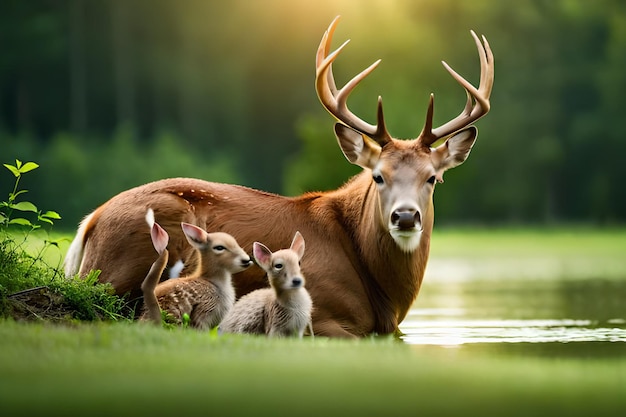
74 255
283 310
369 239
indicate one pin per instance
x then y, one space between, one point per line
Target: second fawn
207 295
282 310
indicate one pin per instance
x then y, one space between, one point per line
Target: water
511 313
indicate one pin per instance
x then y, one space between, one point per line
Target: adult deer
368 241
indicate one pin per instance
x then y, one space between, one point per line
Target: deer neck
209 271
292 298
393 277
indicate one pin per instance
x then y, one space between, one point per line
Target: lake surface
586 315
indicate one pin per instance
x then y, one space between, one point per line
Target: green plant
29 286
21 269
170 322
8 207
90 300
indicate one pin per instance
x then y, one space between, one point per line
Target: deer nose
246 262
405 218
296 282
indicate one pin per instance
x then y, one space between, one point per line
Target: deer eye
378 179
431 180
219 248
278 266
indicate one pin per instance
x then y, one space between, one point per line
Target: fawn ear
262 255
297 245
197 237
160 238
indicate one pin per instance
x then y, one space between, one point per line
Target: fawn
206 295
282 310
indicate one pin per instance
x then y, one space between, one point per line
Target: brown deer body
369 240
282 310
207 295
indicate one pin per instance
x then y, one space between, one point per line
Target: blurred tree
233 82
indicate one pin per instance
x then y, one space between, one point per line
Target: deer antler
477 104
335 101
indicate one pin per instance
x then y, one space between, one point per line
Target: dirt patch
36 304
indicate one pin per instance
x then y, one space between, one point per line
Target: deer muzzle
406 219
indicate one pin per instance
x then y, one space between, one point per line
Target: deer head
282 266
404 171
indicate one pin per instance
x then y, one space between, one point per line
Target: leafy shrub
29 287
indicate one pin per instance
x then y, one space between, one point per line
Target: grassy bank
131 369
124 368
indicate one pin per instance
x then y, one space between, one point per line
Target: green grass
33 285
537 253
133 369
35 245
529 241
124 368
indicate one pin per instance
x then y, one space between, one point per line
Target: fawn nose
405 218
296 282
246 262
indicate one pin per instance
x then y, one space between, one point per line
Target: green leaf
43 219
13 169
186 320
14 195
24 206
20 221
51 215
59 240
28 166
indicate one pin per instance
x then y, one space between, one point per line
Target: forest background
106 95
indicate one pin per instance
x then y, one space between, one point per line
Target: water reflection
458 332
518 312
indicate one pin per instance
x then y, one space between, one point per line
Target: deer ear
358 148
160 238
262 255
297 245
197 237
454 151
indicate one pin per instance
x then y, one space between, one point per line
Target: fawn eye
378 179
219 248
278 266
431 180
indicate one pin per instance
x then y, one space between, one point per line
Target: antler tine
322 52
486 59
334 100
477 104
